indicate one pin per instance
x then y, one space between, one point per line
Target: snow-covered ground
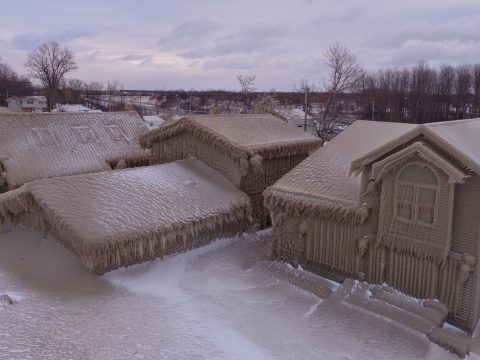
221 301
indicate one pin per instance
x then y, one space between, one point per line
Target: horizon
204 46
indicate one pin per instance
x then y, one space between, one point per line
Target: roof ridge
449 122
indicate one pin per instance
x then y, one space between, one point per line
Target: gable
457 138
418 149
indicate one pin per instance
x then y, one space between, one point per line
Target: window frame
415 202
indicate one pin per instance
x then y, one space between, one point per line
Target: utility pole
373 109
305 110
190 106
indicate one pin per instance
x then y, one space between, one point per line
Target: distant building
73 108
28 104
153 121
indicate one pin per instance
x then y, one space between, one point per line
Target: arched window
416 194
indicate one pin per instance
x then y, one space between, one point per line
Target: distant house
27 104
252 151
153 121
389 203
73 108
36 146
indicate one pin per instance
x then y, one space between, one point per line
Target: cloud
208 42
188 34
235 62
133 57
339 17
256 38
31 40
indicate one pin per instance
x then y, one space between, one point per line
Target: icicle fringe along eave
105 254
314 207
237 151
421 250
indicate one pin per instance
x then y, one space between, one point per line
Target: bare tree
344 73
476 88
49 63
72 90
11 84
247 85
445 89
423 82
93 92
463 86
266 103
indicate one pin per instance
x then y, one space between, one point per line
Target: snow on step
123 217
379 299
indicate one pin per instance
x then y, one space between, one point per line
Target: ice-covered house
112 219
36 146
252 151
389 203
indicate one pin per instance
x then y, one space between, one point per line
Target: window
85 134
116 133
416 194
30 102
45 136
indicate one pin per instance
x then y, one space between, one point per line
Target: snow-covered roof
4 109
44 145
73 108
329 180
153 118
323 178
252 134
459 138
129 216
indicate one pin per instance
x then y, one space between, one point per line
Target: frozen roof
36 146
248 133
4 109
328 182
323 178
153 118
129 216
459 138
73 108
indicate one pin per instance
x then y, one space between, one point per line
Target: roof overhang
426 153
358 165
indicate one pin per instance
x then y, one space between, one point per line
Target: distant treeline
283 97
421 93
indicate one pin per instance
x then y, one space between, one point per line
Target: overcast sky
156 44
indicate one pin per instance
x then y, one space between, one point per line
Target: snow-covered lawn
221 301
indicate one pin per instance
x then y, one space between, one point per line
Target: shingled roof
45 145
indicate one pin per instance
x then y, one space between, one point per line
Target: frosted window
116 133
416 194
45 136
85 134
